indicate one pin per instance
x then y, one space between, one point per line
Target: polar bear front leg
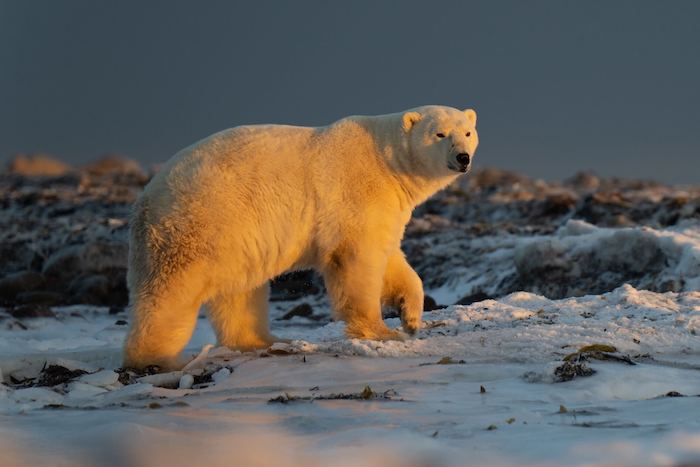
403 290
240 319
161 324
353 278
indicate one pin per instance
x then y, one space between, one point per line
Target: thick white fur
233 211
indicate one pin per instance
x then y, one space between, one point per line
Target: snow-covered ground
578 344
424 408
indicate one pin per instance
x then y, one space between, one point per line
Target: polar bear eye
469 133
440 135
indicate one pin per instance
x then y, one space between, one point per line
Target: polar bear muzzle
463 160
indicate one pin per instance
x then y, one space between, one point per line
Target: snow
510 346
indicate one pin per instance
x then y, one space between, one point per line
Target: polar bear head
441 140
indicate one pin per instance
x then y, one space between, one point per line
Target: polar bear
228 214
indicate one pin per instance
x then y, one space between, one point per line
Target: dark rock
473 298
71 261
98 289
31 311
94 273
551 269
71 180
390 312
304 310
40 297
14 284
16 255
558 204
491 178
115 310
603 208
429 304
61 211
294 285
671 285
120 322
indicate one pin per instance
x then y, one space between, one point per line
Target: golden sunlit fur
233 211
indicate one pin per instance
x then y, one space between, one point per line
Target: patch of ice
186 381
575 227
171 379
80 390
35 397
101 378
221 375
127 393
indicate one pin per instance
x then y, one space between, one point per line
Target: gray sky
559 86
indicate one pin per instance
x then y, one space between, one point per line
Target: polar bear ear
471 115
410 119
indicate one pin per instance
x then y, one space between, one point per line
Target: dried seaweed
445 361
367 394
570 370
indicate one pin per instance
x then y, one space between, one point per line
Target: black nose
463 159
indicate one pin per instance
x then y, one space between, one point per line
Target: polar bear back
266 195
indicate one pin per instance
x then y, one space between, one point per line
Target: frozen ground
543 272
420 411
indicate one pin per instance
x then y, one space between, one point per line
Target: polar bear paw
375 333
411 325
